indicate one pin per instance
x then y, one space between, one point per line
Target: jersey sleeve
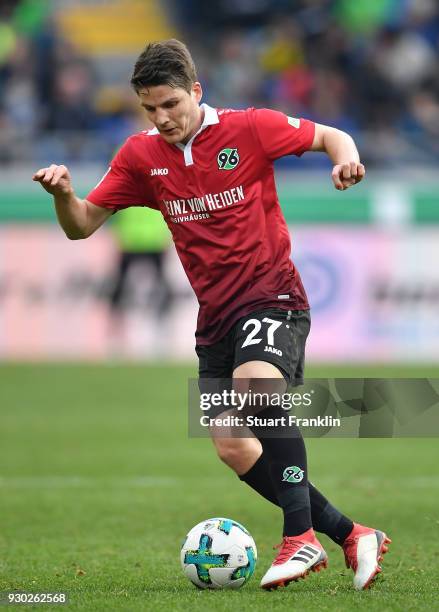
281 135
120 186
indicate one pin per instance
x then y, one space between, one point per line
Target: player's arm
78 218
343 153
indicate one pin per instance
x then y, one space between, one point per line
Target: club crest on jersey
228 159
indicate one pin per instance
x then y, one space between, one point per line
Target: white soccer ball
218 553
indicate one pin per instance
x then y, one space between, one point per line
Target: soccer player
210 172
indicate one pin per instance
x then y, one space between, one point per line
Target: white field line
81 482
149 482
420 482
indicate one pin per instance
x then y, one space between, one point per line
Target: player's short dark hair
167 62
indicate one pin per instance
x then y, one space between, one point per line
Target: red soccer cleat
363 550
298 556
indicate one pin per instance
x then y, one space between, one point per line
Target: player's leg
239 453
245 455
363 547
300 551
215 374
119 287
163 297
324 516
242 453
281 452
117 302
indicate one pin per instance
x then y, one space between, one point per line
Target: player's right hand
56 180
347 174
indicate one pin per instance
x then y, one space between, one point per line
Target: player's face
174 111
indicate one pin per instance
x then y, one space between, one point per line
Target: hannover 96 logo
292 474
228 159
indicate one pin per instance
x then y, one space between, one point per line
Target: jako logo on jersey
228 159
272 349
159 171
292 474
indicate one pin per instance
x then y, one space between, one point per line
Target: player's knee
238 453
228 452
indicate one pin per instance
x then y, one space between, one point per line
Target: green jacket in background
140 229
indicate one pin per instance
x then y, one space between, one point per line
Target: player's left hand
346 175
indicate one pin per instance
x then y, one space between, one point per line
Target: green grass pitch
99 483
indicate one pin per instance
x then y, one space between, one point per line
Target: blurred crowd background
371 68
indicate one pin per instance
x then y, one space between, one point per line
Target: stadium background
104 442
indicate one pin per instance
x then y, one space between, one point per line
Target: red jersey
218 196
